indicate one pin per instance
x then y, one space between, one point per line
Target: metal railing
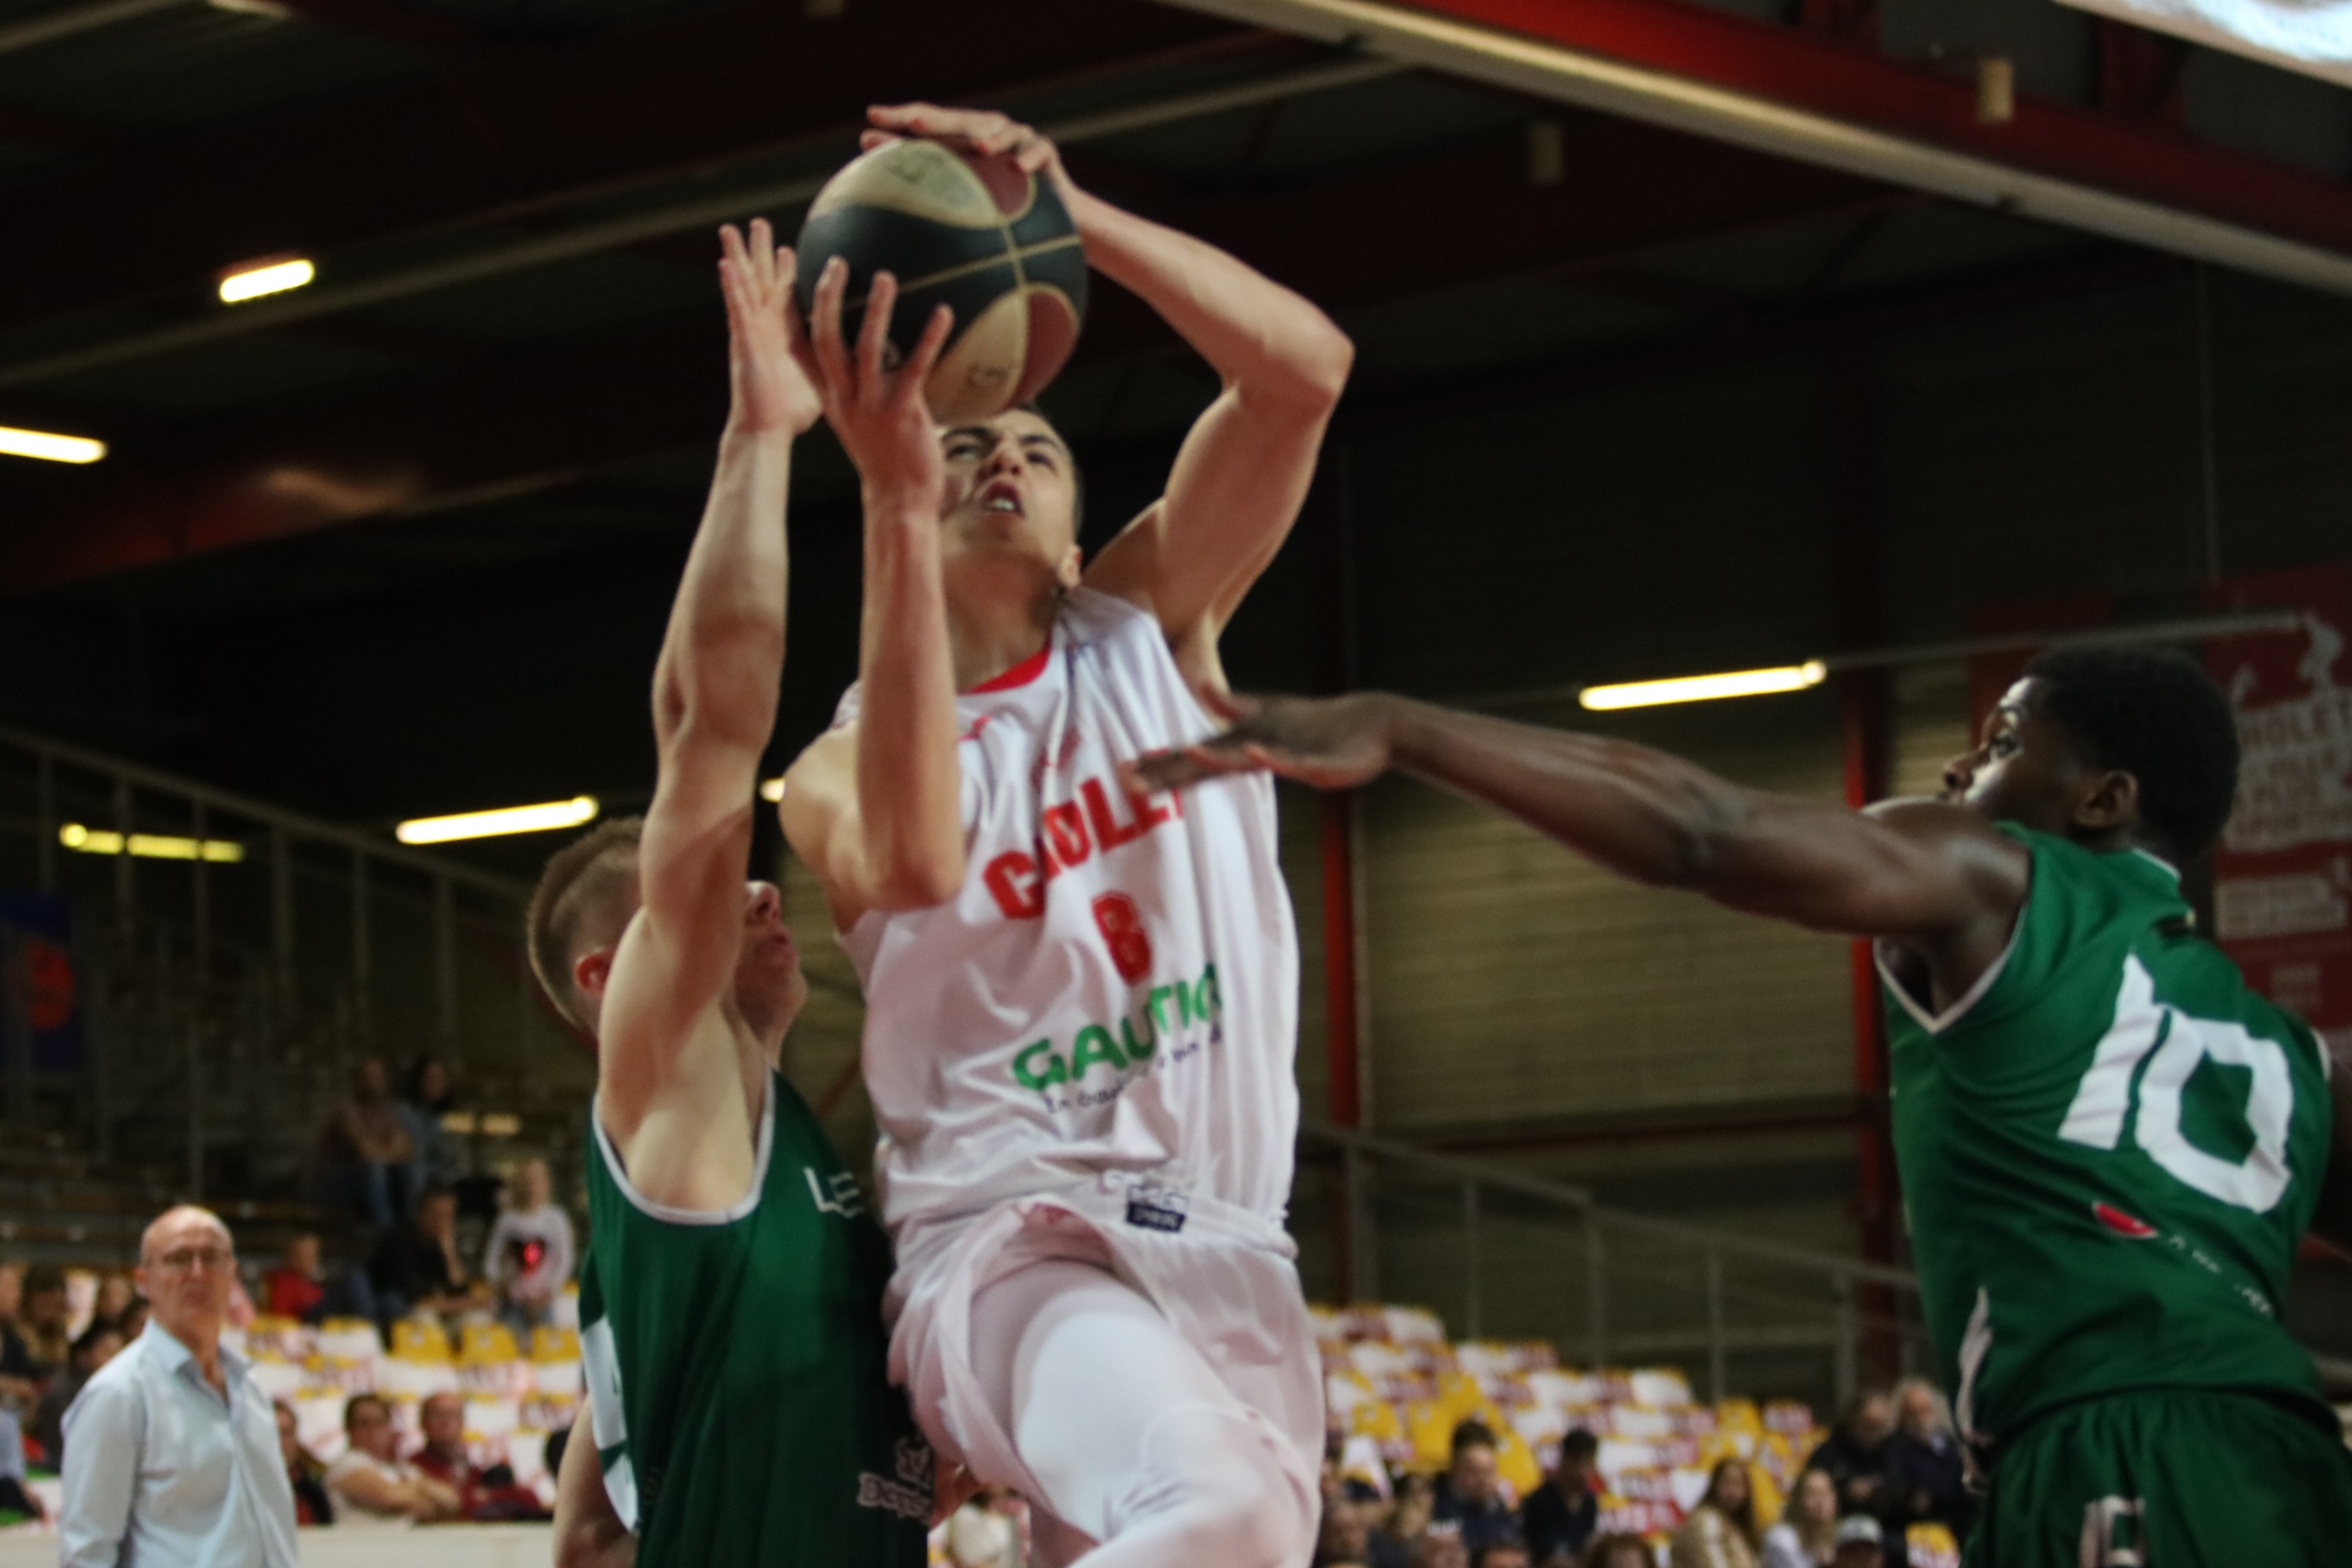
224 994
1502 1254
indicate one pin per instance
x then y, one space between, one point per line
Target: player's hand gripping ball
983 236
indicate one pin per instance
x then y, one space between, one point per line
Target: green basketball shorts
2189 1479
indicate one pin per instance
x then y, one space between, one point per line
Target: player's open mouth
1001 497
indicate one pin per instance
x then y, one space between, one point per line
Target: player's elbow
918 882
1304 367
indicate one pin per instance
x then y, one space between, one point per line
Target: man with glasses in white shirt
171 1455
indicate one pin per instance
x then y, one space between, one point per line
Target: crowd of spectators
44 1365
388 1165
391 1176
1891 1462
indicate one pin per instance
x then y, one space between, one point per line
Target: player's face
2022 771
769 984
1011 489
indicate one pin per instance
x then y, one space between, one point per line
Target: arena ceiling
401 541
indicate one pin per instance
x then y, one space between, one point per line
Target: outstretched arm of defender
1243 472
714 701
874 807
1932 879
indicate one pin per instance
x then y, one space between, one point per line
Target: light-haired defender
1081 1003
739 1410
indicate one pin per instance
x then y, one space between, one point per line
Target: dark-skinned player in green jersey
739 1407
2110 1146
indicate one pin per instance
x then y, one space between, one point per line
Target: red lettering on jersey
1019 890
1065 833
1109 831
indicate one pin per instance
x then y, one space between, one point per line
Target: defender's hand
976 132
767 353
1331 743
878 412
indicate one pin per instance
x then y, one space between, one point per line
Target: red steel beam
1803 69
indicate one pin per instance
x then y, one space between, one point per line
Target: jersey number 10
2179 1043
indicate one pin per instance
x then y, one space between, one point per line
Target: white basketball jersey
1115 988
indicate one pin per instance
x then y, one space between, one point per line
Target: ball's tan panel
922 179
978 375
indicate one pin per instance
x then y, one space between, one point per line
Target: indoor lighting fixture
772 790
1703 688
272 278
150 846
490 823
50 448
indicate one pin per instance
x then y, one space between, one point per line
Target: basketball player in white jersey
1081 1003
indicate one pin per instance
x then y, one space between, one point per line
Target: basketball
988 240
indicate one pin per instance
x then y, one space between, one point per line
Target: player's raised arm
1243 471
874 807
1933 879
714 701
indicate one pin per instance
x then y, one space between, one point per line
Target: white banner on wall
2313 37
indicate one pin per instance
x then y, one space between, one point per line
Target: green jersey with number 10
2110 1149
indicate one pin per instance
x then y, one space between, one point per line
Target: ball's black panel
938 263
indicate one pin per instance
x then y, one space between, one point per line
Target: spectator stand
1396 1387
516 1394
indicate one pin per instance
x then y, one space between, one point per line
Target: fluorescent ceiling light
1703 688
490 824
150 846
50 448
276 278
772 790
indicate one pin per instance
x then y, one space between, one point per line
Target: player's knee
1227 1480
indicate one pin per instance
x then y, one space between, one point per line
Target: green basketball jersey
737 1366
2109 1150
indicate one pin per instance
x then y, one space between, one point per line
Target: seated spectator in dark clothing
311 1503
485 1496
1470 1493
134 1321
19 1390
1618 1549
1560 1516
116 1291
41 1321
1398 1532
1860 1456
1928 1458
98 1344
365 1152
1503 1552
416 1268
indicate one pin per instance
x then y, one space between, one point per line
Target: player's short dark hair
581 878
1472 1434
2158 716
1580 1444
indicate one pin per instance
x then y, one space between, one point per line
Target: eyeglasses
188 1259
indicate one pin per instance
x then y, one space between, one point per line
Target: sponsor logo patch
1150 1206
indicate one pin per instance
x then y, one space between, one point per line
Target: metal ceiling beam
517 132
1782 90
51 26
512 426
779 200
